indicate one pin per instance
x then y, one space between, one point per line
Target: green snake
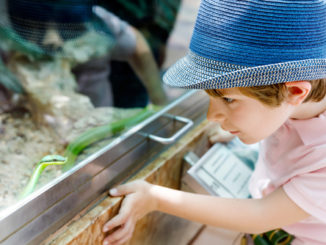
81 142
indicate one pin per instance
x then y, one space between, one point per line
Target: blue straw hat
251 43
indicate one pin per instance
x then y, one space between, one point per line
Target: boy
262 63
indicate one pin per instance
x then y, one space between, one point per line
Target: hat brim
197 72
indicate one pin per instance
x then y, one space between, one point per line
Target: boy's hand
136 204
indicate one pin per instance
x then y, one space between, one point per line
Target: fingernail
106 243
113 191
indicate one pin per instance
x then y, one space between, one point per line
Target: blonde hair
273 95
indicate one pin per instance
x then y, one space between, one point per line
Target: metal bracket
188 124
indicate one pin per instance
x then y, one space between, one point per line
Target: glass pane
61 95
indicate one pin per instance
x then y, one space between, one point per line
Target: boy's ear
298 91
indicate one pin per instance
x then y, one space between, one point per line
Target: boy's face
246 117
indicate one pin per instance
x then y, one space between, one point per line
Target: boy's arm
245 215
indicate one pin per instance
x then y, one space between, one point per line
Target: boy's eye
227 100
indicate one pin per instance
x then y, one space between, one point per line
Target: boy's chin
248 141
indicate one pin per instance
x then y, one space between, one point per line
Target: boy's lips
231 131
234 132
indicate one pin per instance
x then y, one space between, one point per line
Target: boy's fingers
114 222
121 190
119 219
119 234
124 189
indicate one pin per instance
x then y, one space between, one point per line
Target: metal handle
174 137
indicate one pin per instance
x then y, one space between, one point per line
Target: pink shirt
295 157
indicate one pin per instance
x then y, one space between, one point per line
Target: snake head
53 159
45 161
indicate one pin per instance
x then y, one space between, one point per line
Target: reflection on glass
55 94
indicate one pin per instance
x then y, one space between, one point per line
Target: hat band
197 72
229 75
221 66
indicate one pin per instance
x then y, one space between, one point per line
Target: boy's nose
215 112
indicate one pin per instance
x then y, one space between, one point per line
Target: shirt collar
312 130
